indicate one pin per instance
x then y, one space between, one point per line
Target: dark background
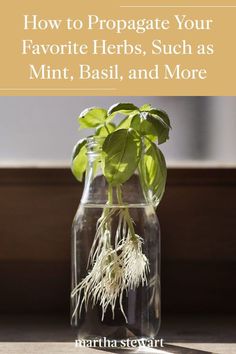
198 222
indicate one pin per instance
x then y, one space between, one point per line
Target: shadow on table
167 349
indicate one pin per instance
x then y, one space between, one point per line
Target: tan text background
221 66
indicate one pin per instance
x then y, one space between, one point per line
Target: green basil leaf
122 150
92 117
125 123
135 123
149 126
79 159
153 172
145 127
162 116
131 121
104 130
162 124
123 108
146 108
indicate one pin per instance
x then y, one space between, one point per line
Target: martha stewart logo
112 343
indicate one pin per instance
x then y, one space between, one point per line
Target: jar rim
95 138
94 144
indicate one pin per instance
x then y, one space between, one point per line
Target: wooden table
27 334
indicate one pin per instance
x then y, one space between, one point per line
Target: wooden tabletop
52 334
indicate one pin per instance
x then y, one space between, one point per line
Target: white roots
114 271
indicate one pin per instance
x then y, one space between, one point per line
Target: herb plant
114 269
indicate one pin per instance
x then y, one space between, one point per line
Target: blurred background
41 131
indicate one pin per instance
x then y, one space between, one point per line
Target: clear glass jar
116 302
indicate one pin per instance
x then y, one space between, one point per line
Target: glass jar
115 259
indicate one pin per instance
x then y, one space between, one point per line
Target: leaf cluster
128 145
